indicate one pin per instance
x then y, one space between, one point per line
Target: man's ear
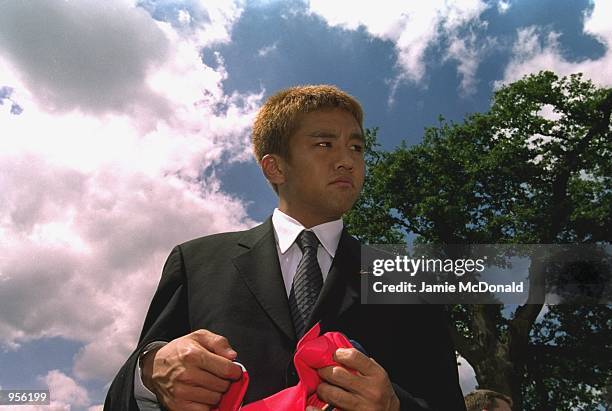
273 168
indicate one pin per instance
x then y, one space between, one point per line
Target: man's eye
357 147
324 144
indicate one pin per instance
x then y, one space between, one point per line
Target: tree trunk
499 361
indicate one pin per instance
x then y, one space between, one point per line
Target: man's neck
308 220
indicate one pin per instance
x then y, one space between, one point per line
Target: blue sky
124 130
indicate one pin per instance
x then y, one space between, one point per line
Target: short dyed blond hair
278 118
484 399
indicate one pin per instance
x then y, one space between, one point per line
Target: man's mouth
343 182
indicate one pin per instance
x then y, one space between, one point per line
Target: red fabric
313 352
232 399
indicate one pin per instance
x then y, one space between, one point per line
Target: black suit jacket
231 284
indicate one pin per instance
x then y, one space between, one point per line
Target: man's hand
369 389
192 372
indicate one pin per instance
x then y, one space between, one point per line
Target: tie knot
307 239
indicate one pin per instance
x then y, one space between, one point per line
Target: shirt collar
288 228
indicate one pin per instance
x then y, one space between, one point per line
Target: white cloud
549 112
264 51
221 17
65 390
184 17
598 22
503 6
536 50
468 51
65 394
210 22
84 55
94 194
467 376
411 26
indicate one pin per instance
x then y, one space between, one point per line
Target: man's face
325 170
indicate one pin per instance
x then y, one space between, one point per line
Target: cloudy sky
124 129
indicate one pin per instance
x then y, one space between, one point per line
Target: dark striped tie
307 282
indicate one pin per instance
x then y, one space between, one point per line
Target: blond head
485 399
278 119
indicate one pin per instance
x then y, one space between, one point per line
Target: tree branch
525 315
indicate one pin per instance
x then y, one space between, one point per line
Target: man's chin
340 209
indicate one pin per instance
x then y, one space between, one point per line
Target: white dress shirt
286 230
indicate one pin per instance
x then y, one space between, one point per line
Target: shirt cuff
146 400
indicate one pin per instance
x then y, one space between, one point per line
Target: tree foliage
535 168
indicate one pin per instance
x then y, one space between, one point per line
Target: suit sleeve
166 320
438 388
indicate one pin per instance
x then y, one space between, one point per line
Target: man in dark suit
248 296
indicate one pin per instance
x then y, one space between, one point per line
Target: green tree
535 168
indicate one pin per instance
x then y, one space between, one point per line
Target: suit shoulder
352 241
223 242
210 242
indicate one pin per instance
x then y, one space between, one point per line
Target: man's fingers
187 406
215 343
197 395
217 355
341 377
188 373
337 397
219 366
353 359
202 378
370 387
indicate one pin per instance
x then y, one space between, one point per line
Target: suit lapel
260 269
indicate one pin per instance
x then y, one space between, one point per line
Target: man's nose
345 159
